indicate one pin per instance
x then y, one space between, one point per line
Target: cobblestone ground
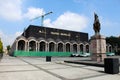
36 68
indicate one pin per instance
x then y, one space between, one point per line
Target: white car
75 55
110 54
85 55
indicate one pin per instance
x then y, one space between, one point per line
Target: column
16 45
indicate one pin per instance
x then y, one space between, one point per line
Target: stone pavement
36 68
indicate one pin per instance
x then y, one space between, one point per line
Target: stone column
25 45
98 48
36 45
28 46
78 48
46 46
71 48
16 45
55 46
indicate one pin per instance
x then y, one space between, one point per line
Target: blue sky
76 15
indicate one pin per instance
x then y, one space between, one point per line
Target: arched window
42 46
51 46
32 46
87 48
21 45
67 47
81 48
107 48
60 47
110 48
75 48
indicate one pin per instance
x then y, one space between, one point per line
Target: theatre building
44 39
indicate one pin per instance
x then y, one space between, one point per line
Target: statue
96 25
97 42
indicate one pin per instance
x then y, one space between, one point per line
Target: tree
1 47
8 48
114 42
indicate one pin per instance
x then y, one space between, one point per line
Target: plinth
98 48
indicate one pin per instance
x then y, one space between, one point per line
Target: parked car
88 54
85 55
75 55
110 54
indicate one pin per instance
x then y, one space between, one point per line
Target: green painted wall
35 53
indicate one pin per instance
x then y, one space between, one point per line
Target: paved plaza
36 68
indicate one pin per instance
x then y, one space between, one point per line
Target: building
38 38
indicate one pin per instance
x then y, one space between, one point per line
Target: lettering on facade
55 33
62 34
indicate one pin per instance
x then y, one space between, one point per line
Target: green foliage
1 47
114 41
8 48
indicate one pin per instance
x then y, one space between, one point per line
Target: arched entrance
32 46
75 48
81 48
60 47
67 47
107 48
21 45
87 48
42 46
110 48
51 46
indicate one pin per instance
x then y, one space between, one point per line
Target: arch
42 46
110 48
32 45
49 40
21 38
31 39
81 48
60 47
52 46
67 47
41 39
21 45
107 48
75 48
87 48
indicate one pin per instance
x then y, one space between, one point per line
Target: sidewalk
36 68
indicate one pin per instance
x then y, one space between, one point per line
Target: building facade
38 38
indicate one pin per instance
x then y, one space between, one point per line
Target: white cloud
18 33
34 12
69 21
8 39
10 9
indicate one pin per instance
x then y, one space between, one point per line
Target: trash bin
48 58
111 65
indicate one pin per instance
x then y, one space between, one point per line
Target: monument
97 42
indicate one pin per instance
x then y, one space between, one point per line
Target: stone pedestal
98 48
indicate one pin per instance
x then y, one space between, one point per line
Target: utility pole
42 17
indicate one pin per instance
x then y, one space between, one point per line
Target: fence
37 53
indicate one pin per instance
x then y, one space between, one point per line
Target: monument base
98 48
99 57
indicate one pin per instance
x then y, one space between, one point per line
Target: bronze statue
96 25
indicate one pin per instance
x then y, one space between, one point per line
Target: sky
75 15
